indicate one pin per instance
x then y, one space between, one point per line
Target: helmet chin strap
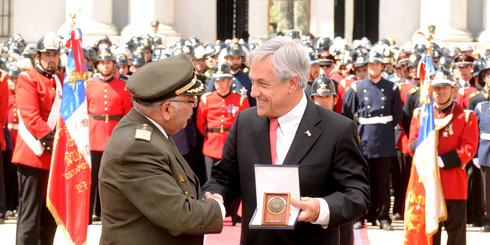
444 105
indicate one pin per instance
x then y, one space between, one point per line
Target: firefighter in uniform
37 93
481 96
324 94
375 103
107 101
483 113
457 144
216 113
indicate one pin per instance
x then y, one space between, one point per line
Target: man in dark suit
149 194
332 172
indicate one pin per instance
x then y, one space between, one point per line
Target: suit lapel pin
308 133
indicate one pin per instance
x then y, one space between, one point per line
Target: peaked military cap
463 60
165 79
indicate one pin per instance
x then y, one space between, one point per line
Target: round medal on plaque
276 208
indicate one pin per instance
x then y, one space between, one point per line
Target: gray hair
289 59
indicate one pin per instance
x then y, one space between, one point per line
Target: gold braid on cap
196 90
187 86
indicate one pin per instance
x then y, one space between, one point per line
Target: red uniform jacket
35 95
463 97
215 113
4 101
13 117
402 143
458 143
105 98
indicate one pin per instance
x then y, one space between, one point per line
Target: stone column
258 19
142 12
449 17
94 18
322 18
485 34
392 19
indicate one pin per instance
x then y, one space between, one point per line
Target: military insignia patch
143 132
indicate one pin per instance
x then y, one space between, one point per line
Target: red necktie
273 137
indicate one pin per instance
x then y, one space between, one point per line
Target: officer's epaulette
353 86
204 99
207 74
396 86
143 132
4 74
478 106
413 90
242 98
474 94
25 74
467 115
416 112
245 69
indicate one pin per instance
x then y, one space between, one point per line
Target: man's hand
310 209
215 196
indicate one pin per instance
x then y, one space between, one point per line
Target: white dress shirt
288 125
221 206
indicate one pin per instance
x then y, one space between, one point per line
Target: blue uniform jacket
483 113
366 100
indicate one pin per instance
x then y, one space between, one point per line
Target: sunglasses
327 66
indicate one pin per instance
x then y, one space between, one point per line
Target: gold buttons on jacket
186 193
181 178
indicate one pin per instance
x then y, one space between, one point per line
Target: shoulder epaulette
353 86
203 98
242 99
413 90
25 74
474 94
416 112
467 115
143 132
395 86
478 107
207 74
4 74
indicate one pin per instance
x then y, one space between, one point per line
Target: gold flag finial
73 16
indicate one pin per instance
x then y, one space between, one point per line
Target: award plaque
276 208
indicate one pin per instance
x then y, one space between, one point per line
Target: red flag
68 196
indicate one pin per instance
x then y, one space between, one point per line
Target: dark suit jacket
331 166
149 193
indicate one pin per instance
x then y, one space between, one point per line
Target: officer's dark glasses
192 101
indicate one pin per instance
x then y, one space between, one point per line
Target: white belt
376 120
485 136
13 126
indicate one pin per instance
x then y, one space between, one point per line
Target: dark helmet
19 41
419 49
194 41
313 57
14 50
388 56
323 86
3 64
443 77
234 49
103 38
323 44
453 52
157 40
436 55
138 58
49 43
105 54
189 50
294 34
360 61
146 44
13 71
221 71
129 45
374 56
122 59
218 48
414 60
325 58
484 66
478 65
445 63
90 54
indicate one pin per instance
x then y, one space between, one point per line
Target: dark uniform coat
148 191
371 100
331 166
477 97
483 113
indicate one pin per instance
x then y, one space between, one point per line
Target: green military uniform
149 194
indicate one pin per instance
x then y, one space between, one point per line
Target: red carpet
231 235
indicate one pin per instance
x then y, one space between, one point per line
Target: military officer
483 114
216 113
458 142
376 103
108 101
463 70
149 194
37 91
